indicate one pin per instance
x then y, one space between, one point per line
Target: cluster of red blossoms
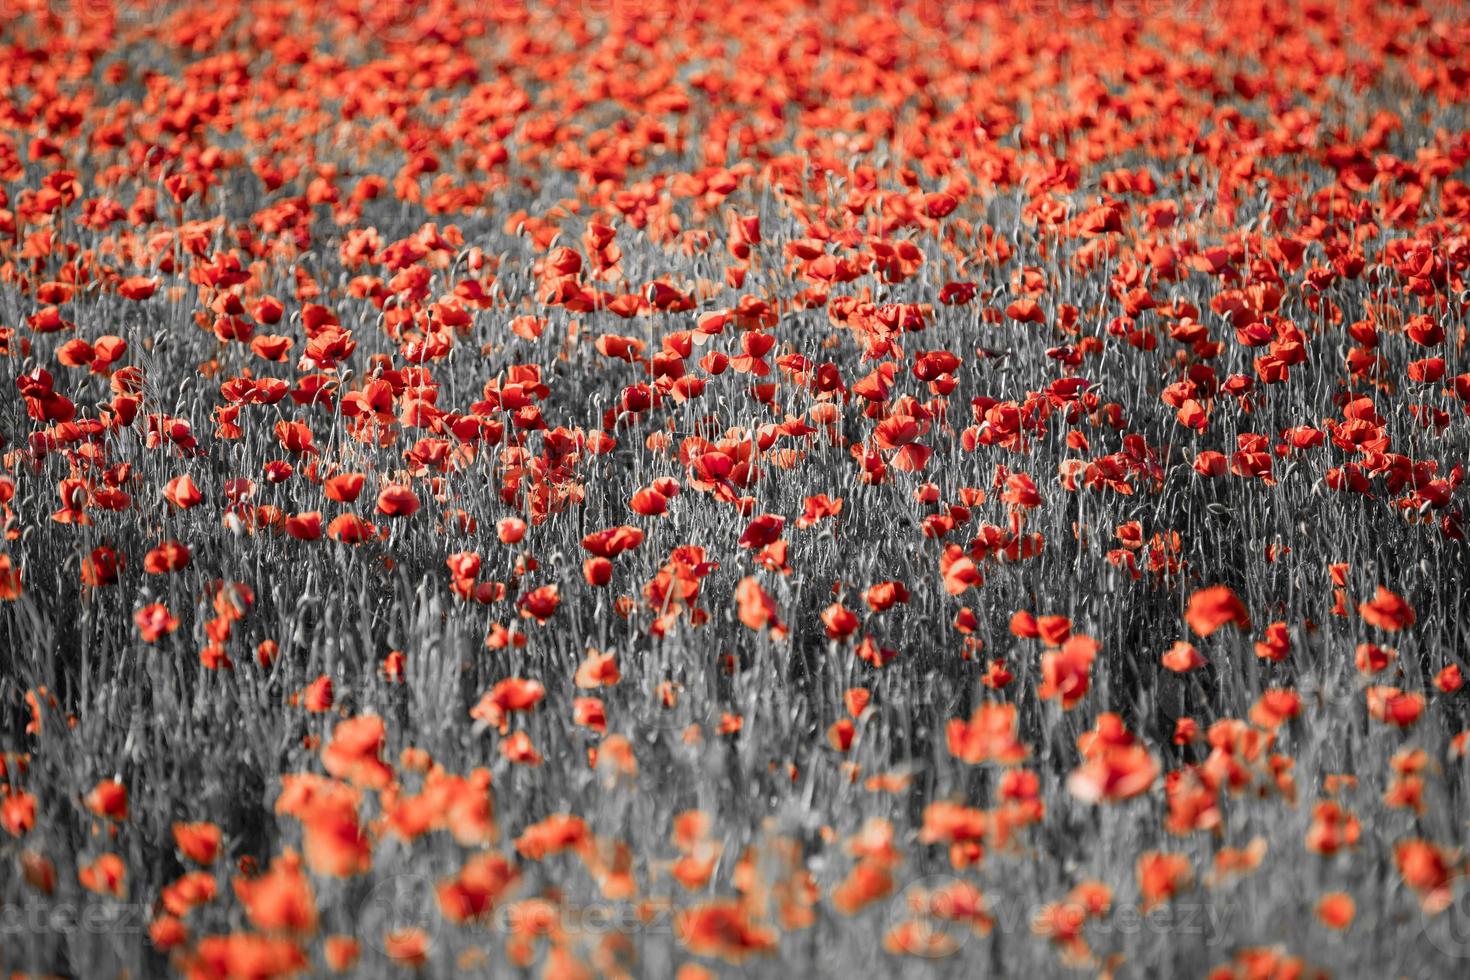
801 480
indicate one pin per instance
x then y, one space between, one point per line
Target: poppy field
642 488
